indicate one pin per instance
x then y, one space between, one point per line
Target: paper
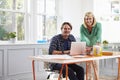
54 57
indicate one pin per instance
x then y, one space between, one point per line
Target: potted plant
12 36
105 44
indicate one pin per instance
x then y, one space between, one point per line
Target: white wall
87 5
110 28
70 11
102 7
73 12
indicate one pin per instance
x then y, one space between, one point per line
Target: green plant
105 42
12 34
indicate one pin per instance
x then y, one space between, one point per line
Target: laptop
77 48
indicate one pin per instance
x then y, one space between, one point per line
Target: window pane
20 26
47 23
51 26
6 4
19 4
5 24
47 26
50 7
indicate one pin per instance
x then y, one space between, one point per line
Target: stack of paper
54 57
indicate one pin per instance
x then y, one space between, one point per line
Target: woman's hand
88 50
98 43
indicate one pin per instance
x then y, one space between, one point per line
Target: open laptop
77 48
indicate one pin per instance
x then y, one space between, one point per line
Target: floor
101 78
108 78
54 77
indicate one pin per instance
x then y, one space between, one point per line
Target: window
11 18
46 18
31 20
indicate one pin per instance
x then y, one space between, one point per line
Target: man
60 44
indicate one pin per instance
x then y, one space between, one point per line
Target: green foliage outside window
7 18
3 33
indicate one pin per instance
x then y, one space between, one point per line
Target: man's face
66 30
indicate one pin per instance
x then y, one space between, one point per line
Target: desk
65 60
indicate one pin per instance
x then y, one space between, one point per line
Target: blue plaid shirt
59 44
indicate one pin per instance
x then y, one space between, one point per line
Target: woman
90 32
60 45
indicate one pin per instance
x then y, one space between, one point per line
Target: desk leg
118 69
66 72
87 66
33 69
61 72
95 70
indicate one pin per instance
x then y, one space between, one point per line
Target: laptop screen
78 48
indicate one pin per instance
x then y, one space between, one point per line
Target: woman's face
66 30
89 20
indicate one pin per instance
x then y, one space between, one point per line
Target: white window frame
31 34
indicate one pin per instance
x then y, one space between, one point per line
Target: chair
53 72
46 66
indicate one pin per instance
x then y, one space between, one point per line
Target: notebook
77 48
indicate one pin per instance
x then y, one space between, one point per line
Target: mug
97 50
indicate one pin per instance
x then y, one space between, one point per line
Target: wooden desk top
66 59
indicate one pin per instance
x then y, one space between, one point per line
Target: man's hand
67 52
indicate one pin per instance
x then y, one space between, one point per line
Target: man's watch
62 52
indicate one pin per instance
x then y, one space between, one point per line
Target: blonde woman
90 32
